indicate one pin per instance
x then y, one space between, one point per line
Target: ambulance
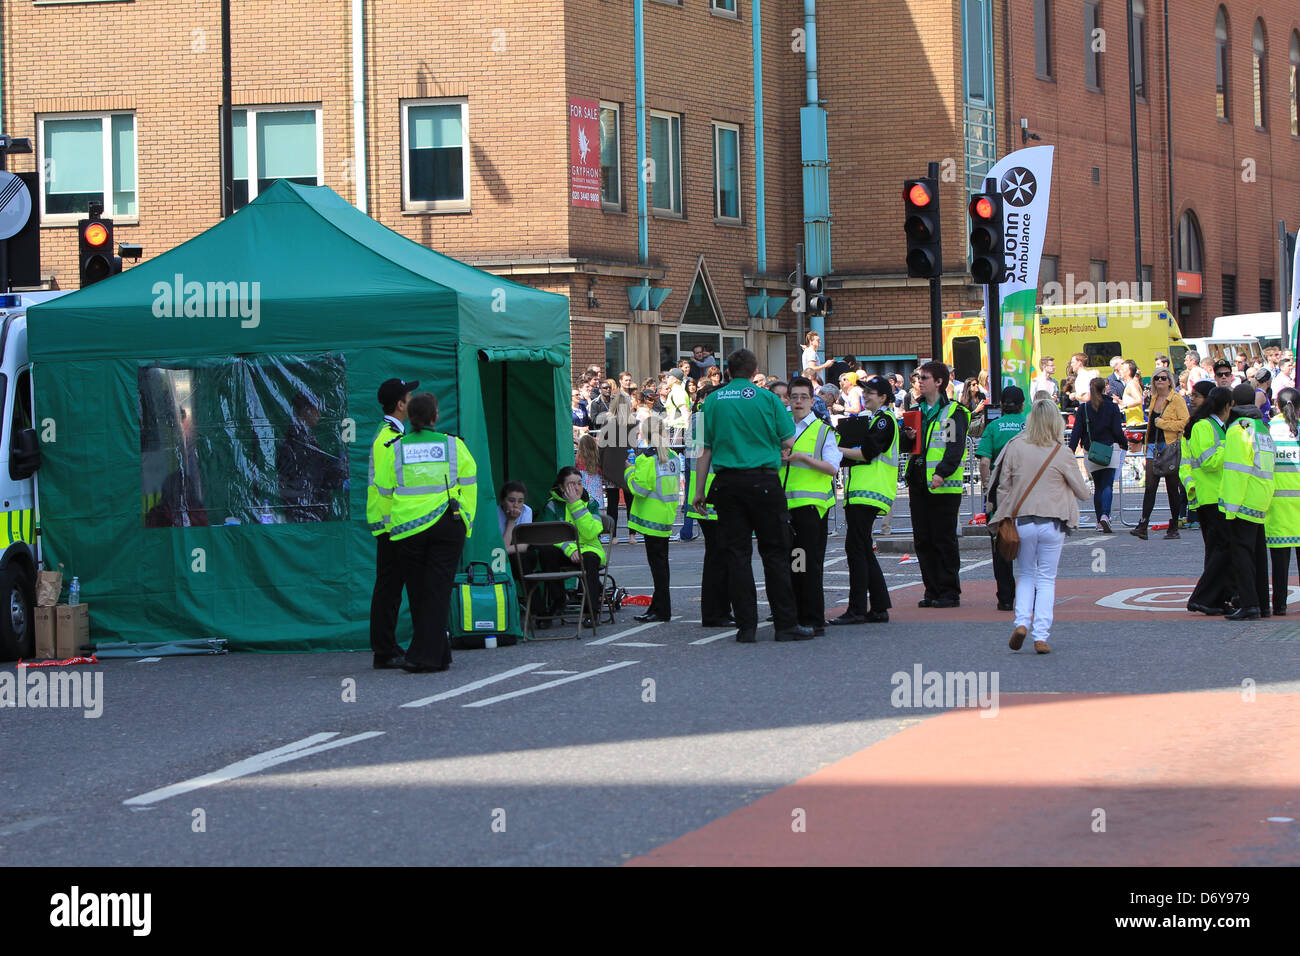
21 453
1136 330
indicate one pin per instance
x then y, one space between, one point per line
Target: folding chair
554 533
609 601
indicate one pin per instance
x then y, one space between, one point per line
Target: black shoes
946 602
1244 614
424 668
925 602
644 618
877 617
1006 606
722 622
1140 531
1279 611
796 634
396 662
746 637
819 630
1204 609
848 618
1265 612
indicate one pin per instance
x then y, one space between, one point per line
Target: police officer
1282 523
1205 433
715 601
1000 431
934 487
654 479
1244 497
433 480
808 475
743 431
869 493
386 601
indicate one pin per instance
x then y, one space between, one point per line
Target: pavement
1149 735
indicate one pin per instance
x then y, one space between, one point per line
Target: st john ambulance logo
747 392
1019 187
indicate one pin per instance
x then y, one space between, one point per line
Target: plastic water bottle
490 641
74 592
265 516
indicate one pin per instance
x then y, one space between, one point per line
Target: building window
1229 294
1144 294
1295 84
979 128
666 163
284 145
1097 274
1221 48
615 350
1260 82
1267 302
726 171
1140 48
976 50
611 191
435 155
1043 38
1094 44
1189 243
87 158
1049 269
723 6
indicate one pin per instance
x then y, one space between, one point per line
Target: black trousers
750 501
1215 584
715 599
934 530
656 553
807 559
429 562
1281 558
1249 559
867 589
1173 488
386 600
551 559
1004 572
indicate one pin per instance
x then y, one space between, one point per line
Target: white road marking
977 564
555 672
634 644
628 633
550 683
475 685
731 633
306 747
842 557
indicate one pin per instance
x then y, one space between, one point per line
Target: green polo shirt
999 431
744 425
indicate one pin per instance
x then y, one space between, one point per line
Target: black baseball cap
1223 363
394 390
1013 395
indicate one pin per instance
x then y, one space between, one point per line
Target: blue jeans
1103 491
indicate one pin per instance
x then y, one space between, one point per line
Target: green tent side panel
109 368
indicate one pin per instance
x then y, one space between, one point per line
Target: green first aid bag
482 605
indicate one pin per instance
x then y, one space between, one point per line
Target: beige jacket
1057 493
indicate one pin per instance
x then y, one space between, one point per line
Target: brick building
467 139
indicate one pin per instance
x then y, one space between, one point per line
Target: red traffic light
919 195
96 234
982 208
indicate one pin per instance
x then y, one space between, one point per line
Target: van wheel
17 627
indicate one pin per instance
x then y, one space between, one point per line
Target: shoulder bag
1008 539
1167 461
1099 453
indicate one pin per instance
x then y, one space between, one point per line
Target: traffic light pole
936 292
994 299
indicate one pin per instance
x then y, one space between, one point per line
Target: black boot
1141 530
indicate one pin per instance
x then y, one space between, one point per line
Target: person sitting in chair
569 502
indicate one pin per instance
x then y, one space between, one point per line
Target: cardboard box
43 620
71 629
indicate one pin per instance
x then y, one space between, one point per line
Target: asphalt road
600 752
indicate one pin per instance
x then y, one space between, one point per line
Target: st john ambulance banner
1295 298
584 152
1025 182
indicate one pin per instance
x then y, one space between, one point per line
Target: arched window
1221 64
1295 83
1261 49
1189 243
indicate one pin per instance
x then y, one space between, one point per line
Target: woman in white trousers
1039 488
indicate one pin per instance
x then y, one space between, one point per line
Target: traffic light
818 302
95 241
924 249
987 264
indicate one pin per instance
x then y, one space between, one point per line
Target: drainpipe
359 102
816 160
642 220
760 214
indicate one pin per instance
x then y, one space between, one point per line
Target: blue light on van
10 301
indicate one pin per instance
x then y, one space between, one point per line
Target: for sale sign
584 152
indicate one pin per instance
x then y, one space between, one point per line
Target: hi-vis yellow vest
1282 522
710 513
1247 487
876 483
655 490
936 443
379 500
430 470
806 486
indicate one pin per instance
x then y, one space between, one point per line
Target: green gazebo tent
207 418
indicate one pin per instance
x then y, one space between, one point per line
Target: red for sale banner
584 152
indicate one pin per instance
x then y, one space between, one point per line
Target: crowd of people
771 453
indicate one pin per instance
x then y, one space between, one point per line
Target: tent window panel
244 441
436 155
